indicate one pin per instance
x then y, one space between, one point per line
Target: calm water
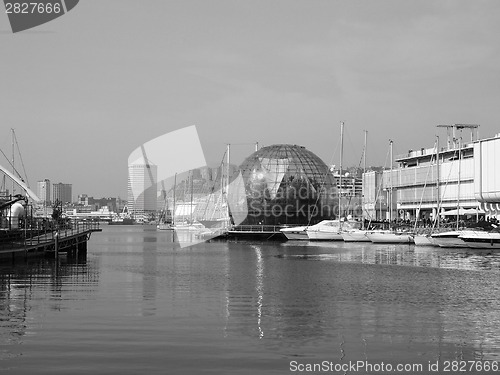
140 305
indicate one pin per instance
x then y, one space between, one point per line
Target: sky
86 89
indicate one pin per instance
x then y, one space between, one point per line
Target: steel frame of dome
287 185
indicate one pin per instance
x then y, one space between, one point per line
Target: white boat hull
323 236
421 240
296 236
482 240
448 239
389 237
330 230
355 236
164 226
298 233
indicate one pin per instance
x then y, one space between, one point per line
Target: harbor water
140 304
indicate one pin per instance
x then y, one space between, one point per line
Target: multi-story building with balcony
427 181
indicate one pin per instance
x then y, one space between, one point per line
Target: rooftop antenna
451 131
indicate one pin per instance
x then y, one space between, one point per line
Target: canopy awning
462 211
490 208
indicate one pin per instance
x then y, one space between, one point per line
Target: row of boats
335 230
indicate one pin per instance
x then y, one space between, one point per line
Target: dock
257 232
26 242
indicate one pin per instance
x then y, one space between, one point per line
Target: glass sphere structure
287 184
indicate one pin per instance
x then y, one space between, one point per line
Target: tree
57 210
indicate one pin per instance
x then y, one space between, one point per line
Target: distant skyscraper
62 192
141 192
44 191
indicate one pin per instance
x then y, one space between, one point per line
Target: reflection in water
259 287
405 255
443 297
38 287
149 276
140 301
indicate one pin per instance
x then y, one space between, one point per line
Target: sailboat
216 219
185 224
163 224
424 238
215 212
393 235
331 230
452 238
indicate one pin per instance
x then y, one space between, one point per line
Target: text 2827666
27 8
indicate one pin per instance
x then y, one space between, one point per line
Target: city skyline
81 99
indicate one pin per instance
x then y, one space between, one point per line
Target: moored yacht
449 239
326 230
355 235
481 239
295 233
389 237
330 230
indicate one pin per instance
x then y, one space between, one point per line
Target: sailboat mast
13 168
364 152
390 190
191 205
438 183
227 183
340 166
173 208
458 185
227 167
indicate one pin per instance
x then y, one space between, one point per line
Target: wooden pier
23 243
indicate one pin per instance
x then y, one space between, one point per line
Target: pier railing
40 235
257 228
36 235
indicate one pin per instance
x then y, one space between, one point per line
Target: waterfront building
486 176
287 184
351 192
426 182
375 204
43 191
62 192
418 188
83 200
141 192
96 203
